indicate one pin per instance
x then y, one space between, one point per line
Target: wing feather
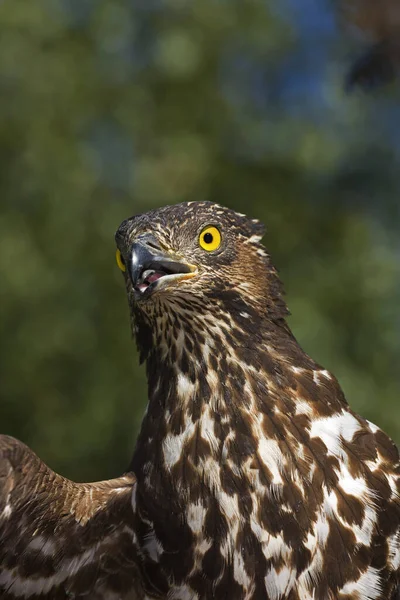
61 539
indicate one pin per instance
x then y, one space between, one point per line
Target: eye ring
210 238
120 260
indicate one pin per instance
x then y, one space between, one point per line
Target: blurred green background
109 108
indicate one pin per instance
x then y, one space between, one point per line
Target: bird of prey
379 21
252 478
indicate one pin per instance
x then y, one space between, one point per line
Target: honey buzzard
252 478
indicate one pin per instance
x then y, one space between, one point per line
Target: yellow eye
120 261
210 238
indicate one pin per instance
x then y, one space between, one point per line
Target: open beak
150 266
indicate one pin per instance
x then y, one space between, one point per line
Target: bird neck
207 373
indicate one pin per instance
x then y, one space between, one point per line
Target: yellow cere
120 260
210 238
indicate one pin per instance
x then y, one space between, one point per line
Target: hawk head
197 254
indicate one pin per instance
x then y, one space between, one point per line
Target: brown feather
60 531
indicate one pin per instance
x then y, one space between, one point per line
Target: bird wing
60 539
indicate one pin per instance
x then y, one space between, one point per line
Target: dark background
109 108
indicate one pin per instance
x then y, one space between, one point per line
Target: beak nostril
151 242
154 245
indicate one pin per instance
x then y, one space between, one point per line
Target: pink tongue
152 278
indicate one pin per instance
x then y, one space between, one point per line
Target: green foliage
112 108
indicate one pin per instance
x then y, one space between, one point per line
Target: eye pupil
210 238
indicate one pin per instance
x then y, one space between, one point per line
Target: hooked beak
151 267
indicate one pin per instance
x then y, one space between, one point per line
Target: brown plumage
65 539
251 478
